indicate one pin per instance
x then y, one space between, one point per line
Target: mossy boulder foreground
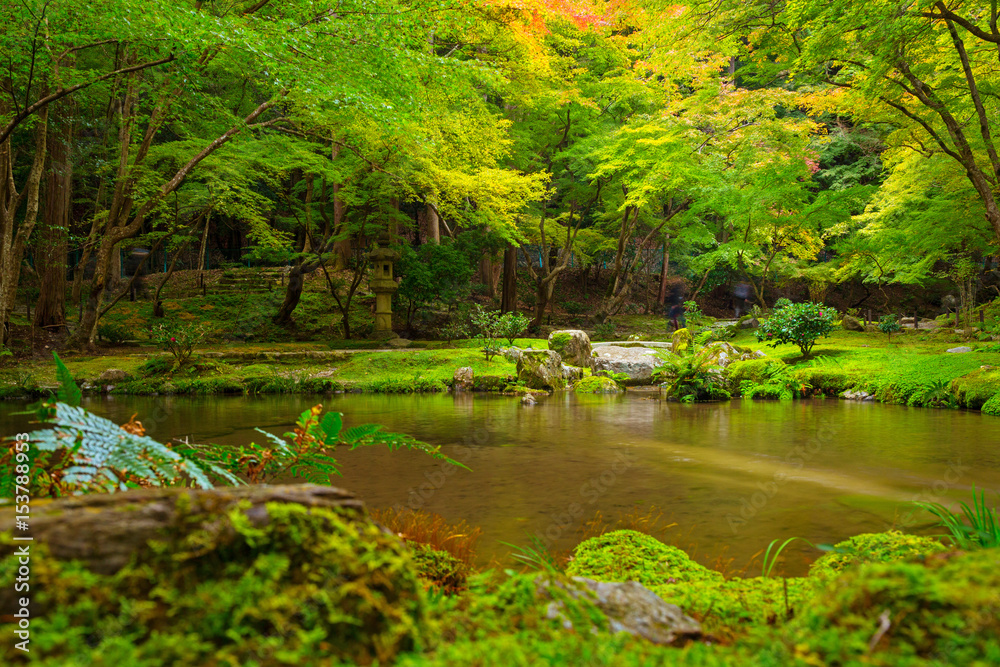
944 610
233 576
874 548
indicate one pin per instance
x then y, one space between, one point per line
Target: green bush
801 324
439 569
114 332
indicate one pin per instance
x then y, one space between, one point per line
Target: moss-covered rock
992 406
218 580
627 555
736 604
597 384
945 610
755 370
874 548
439 569
573 345
975 389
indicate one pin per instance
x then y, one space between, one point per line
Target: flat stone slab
960 350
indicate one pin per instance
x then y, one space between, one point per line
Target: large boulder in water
572 345
637 363
221 576
541 369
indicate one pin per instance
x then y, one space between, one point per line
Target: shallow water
732 476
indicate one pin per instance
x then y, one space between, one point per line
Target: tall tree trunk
50 254
204 242
661 296
13 242
508 299
430 225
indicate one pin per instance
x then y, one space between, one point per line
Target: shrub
511 325
604 330
799 323
440 569
178 339
575 307
692 378
114 332
888 324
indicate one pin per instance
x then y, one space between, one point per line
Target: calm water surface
732 476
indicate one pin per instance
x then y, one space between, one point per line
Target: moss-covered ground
912 367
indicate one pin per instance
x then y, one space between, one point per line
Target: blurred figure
675 311
676 316
741 293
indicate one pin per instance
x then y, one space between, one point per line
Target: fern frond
68 392
100 447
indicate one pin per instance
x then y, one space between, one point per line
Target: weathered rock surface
540 369
105 529
724 353
852 323
960 350
113 376
399 342
629 607
572 345
635 362
464 378
572 373
857 395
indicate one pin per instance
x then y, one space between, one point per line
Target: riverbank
913 367
307 577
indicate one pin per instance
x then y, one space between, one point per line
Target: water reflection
733 476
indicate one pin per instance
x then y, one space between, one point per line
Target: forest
499 332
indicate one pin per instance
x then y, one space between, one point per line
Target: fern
68 393
103 456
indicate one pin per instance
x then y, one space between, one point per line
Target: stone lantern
384 285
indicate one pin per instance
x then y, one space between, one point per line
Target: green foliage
691 378
889 324
490 326
771 555
575 307
692 313
68 392
936 395
782 303
96 454
115 332
801 324
627 555
774 381
306 452
304 585
433 274
885 547
179 339
983 529
534 556
155 366
511 325
604 330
